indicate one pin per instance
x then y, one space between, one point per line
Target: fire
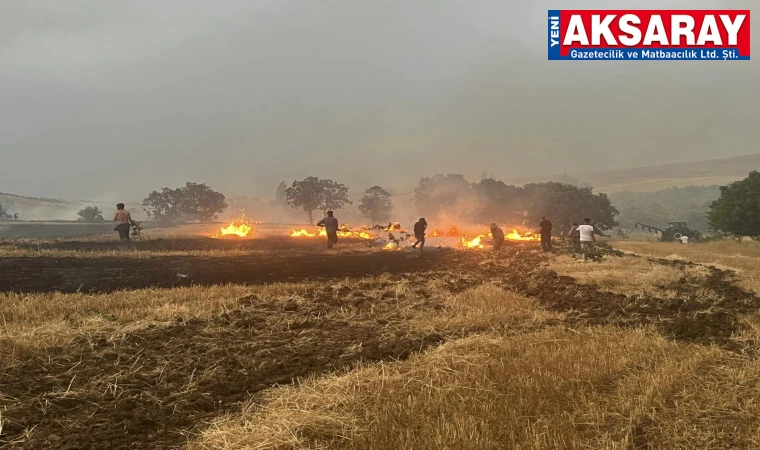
343 232
453 232
232 229
396 226
474 243
392 246
364 235
302 233
241 229
515 236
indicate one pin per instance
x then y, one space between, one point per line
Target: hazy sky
111 99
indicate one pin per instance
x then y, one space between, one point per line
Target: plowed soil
156 387
112 267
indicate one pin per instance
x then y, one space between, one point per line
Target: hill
35 208
654 178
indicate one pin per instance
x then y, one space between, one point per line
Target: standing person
575 238
546 234
684 239
498 236
123 221
419 233
587 237
331 227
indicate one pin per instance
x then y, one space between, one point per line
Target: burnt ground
156 387
119 270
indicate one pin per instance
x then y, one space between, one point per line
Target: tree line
736 213
451 195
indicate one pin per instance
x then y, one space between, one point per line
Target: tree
90 214
563 203
438 193
194 201
376 204
334 195
164 206
499 202
737 211
200 202
4 213
312 193
279 196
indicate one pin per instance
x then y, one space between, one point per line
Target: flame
343 232
393 246
396 226
302 233
232 229
474 243
515 236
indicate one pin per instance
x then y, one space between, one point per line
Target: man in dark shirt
546 234
498 236
419 233
575 238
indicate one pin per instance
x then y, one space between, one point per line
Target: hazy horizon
113 100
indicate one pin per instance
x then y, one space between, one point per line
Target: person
575 237
684 239
587 237
331 228
546 234
498 236
123 221
419 233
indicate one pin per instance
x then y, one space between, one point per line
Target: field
185 341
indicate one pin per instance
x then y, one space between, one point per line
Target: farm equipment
673 232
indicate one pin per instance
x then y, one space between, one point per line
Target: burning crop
453 232
234 229
472 243
301 233
514 235
343 232
241 228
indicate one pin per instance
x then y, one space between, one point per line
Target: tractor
673 232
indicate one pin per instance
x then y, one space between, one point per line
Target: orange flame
301 233
515 236
474 243
323 233
242 230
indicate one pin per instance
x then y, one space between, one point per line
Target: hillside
31 208
653 178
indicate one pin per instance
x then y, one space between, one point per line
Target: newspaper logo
719 35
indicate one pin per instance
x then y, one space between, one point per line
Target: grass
597 388
486 308
512 375
36 322
626 275
740 257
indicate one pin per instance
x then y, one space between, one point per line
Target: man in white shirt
684 239
587 237
331 228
